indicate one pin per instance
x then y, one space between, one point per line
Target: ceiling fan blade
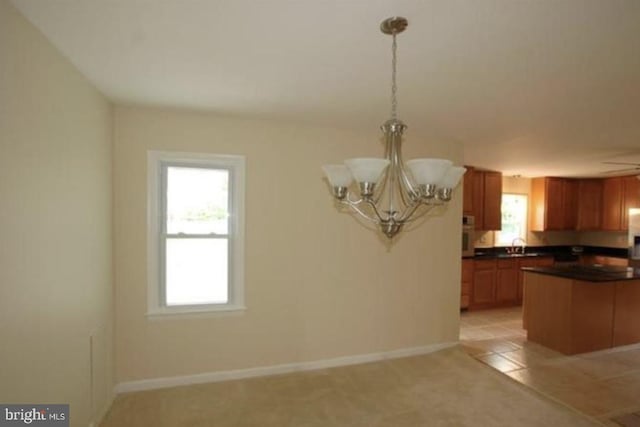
621 163
617 171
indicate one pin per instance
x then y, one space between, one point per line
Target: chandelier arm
381 186
429 206
375 210
408 185
351 202
354 206
406 190
409 211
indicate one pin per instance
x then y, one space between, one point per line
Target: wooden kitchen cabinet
486 199
570 195
553 204
492 201
467 283
631 198
619 194
507 281
626 321
477 198
484 283
583 204
612 204
544 261
590 204
467 191
603 260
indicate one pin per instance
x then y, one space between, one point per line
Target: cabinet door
467 270
484 282
590 204
631 190
554 207
507 281
570 193
545 261
467 283
478 199
612 204
467 191
492 201
484 286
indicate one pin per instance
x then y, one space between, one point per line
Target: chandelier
391 193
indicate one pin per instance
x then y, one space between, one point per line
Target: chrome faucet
514 249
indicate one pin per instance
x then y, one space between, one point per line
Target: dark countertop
501 255
588 273
559 253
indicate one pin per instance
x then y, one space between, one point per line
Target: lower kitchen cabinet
603 260
489 283
507 281
483 292
467 282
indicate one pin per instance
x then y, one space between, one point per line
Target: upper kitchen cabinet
553 204
631 198
619 194
467 191
590 204
486 198
570 194
612 203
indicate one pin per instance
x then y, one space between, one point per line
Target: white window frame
156 188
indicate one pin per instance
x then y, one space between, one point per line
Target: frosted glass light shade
452 177
366 169
429 171
338 175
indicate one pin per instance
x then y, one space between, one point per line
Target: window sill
201 311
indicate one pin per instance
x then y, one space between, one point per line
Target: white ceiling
530 87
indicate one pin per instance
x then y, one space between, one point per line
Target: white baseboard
217 376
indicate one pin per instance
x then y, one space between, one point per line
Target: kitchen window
514 219
196 233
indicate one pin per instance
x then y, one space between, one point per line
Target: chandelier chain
394 87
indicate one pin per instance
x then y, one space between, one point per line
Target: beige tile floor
604 385
529 385
445 388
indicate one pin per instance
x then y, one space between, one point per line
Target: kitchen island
577 309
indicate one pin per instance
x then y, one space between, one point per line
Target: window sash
164 236
164 188
163 272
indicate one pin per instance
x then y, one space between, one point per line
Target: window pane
514 219
196 271
197 200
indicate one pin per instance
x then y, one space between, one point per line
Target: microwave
468 238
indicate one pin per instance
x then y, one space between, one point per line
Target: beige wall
318 285
55 227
